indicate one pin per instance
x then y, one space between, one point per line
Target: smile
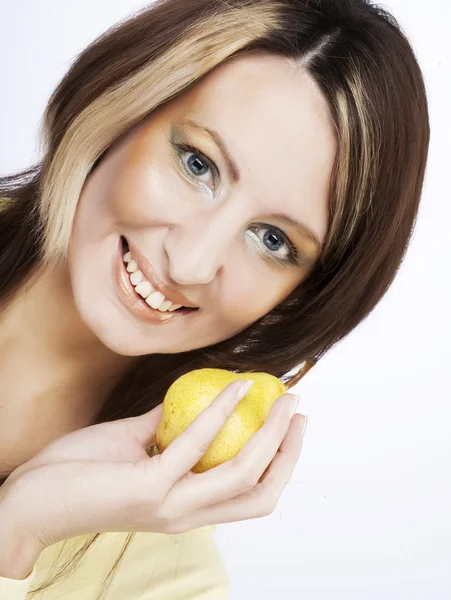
139 295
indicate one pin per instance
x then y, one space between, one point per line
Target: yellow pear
191 393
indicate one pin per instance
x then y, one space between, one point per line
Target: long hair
366 69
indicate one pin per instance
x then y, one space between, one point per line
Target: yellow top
155 566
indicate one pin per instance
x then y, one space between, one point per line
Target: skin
197 232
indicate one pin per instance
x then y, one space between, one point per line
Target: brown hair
368 73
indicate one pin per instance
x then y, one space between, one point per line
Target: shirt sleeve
16 589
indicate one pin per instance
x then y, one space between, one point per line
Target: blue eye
198 166
198 163
274 239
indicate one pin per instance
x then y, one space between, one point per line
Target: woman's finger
189 447
241 473
259 501
281 468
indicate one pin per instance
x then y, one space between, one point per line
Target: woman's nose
196 251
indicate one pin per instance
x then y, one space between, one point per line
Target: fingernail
304 426
244 389
294 404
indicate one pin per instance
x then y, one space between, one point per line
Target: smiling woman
200 212
229 185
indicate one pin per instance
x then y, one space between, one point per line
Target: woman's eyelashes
289 257
197 166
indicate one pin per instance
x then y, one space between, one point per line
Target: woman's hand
100 478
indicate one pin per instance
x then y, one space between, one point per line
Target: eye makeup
180 148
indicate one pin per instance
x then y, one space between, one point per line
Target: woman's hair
367 71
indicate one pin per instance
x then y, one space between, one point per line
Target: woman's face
212 230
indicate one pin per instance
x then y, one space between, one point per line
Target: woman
224 184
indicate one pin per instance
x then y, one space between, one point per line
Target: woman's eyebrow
301 228
235 175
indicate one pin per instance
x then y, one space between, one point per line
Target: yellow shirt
155 566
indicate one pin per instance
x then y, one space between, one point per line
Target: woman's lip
135 303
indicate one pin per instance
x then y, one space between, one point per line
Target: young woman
224 184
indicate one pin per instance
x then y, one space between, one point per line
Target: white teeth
136 277
165 306
155 299
175 307
145 289
132 266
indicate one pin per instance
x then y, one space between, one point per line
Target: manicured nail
244 389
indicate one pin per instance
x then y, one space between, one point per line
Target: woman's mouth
139 295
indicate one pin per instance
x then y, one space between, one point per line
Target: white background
367 512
